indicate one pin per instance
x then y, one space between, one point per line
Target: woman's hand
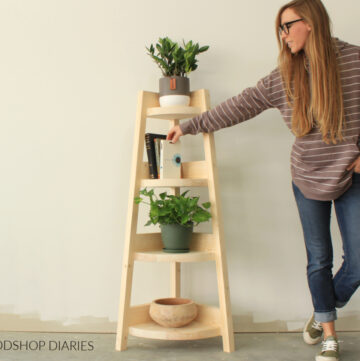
174 134
356 165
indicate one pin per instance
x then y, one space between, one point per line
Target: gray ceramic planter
176 238
174 85
174 90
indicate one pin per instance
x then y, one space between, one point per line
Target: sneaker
330 350
312 331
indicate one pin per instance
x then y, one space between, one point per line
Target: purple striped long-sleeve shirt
317 168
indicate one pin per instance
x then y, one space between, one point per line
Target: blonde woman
316 88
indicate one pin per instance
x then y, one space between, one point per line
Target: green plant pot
176 238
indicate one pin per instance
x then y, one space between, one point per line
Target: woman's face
298 32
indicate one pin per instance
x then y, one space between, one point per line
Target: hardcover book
150 149
157 155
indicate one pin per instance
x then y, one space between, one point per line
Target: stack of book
164 157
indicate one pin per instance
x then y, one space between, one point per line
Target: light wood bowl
173 312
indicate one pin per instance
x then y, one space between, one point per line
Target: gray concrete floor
249 347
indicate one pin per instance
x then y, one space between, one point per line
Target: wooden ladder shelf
135 320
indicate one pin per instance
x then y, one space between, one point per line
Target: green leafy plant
173 59
170 209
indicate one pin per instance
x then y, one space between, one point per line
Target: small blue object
176 159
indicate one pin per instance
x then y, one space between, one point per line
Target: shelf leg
175 279
145 100
125 294
221 265
225 307
175 267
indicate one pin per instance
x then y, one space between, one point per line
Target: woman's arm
246 105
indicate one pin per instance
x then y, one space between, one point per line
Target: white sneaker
312 331
329 351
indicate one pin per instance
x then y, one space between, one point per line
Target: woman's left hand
356 165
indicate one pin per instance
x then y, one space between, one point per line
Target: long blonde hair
318 102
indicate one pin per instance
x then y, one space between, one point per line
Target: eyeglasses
286 26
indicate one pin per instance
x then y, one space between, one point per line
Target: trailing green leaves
170 209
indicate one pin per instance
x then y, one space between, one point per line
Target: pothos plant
170 209
174 59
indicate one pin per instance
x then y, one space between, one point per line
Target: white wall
70 71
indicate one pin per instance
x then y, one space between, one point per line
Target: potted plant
176 215
175 63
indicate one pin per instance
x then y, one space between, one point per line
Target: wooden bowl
173 312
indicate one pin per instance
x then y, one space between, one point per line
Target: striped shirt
317 168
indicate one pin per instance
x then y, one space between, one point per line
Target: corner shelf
147 247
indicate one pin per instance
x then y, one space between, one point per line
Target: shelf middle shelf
181 182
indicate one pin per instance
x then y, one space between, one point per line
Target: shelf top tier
174 112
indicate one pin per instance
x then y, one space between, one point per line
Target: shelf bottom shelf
194 331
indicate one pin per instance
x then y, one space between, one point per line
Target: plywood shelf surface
181 182
173 112
194 331
160 256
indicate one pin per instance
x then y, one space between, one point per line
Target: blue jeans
329 292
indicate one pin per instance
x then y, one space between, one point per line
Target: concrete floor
100 347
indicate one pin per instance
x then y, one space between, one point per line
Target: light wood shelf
174 112
160 256
194 331
190 170
147 247
182 182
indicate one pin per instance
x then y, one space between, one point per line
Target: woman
316 88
